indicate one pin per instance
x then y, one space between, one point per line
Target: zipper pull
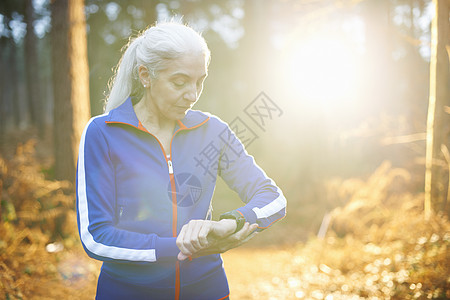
169 164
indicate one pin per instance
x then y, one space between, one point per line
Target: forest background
344 103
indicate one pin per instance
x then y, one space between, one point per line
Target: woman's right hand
194 236
202 237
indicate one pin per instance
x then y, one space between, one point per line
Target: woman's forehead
190 65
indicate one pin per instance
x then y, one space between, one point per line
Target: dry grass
37 222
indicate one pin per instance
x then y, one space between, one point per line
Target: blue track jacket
133 198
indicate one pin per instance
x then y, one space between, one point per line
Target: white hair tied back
153 48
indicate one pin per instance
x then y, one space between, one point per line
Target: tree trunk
437 126
255 46
379 65
12 113
31 70
70 83
19 115
3 94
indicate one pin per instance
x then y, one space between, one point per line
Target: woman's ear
144 76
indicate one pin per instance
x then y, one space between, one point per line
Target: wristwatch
234 215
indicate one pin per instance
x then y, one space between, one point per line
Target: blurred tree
438 129
31 68
12 80
2 88
256 46
10 54
70 82
378 55
412 69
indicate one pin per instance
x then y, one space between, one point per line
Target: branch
403 139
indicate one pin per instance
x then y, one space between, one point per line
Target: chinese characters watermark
262 109
188 189
237 136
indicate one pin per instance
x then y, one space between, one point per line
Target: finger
244 232
253 227
251 233
183 239
190 236
180 240
203 234
201 241
182 256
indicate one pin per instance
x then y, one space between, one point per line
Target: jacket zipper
169 164
174 221
168 159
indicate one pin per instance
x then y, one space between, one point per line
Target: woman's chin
178 115
182 111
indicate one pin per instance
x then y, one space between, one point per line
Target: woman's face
179 86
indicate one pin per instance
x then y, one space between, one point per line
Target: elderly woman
147 170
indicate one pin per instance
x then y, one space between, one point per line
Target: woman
147 172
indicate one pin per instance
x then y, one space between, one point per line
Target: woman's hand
200 237
194 236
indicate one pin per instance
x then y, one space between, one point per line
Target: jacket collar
125 114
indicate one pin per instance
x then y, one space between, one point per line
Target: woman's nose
191 95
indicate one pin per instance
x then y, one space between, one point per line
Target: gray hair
153 48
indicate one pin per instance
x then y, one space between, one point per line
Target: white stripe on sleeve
100 249
272 208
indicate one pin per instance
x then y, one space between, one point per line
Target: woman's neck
151 118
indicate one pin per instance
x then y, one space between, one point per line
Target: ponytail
126 78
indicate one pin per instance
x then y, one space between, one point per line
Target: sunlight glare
323 69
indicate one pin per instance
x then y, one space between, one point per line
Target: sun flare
323 69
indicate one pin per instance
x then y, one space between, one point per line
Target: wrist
236 216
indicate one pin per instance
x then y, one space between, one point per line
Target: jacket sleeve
96 209
265 202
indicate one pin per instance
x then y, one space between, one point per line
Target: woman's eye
179 83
